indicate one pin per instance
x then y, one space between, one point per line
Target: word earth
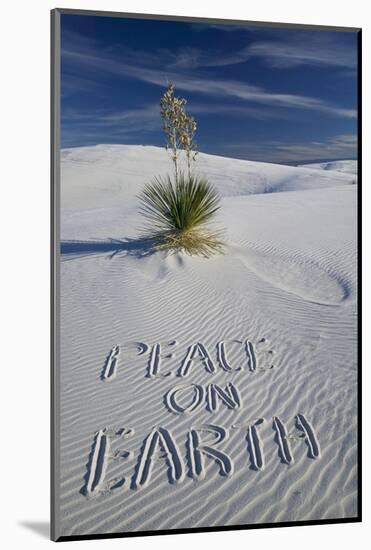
161 439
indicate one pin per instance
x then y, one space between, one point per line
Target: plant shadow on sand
139 248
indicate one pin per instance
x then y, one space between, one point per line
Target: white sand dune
346 166
286 284
108 175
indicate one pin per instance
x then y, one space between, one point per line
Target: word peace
195 353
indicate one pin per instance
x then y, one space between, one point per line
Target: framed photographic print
205 282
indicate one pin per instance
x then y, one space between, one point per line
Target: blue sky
267 94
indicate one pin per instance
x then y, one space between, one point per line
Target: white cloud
343 146
209 86
130 123
282 50
310 48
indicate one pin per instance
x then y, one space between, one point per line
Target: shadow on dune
138 248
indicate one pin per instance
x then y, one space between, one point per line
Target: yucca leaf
178 213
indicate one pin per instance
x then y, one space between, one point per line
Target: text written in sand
203 441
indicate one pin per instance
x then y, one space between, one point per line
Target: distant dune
102 175
346 166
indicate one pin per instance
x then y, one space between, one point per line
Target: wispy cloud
296 48
74 84
131 123
96 71
132 118
343 146
310 48
93 126
200 84
226 27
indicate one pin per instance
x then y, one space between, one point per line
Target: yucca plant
174 120
178 214
179 128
